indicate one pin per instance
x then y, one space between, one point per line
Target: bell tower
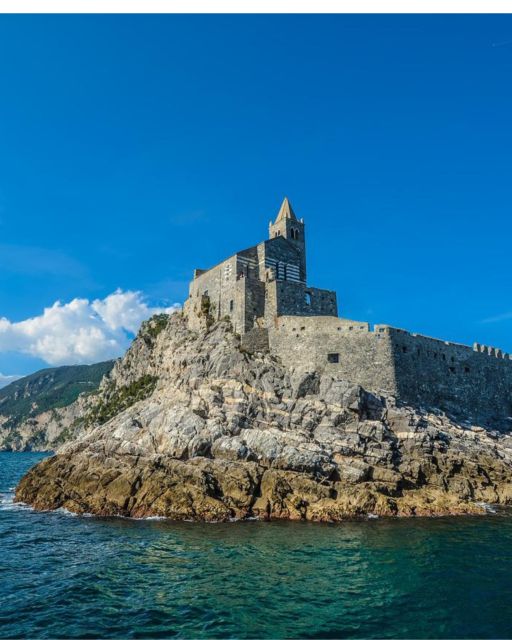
290 228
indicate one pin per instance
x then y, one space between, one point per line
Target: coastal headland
257 400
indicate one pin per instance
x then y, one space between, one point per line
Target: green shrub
122 398
157 324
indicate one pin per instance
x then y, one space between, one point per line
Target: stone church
256 285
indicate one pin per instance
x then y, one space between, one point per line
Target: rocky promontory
189 425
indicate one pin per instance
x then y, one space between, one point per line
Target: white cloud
5 380
80 331
499 318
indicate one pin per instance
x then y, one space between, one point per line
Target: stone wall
233 289
249 304
453 377
218 284
363 357
423 372
255 340
294 298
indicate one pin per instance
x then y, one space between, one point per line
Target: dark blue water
67 576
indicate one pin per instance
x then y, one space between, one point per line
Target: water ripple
72 577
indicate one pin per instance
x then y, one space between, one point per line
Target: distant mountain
24 401
5 380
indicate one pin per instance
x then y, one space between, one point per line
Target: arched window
307 298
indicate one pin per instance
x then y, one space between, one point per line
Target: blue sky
136 148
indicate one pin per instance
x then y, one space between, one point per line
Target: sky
134 149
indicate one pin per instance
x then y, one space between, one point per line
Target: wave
488 508
7 503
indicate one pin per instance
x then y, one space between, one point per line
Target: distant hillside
48 389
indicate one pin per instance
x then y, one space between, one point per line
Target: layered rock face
193 427
41 411
43 431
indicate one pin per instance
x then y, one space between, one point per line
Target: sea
66 576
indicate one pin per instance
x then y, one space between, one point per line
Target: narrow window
466 369
404 349
231 305
333 358
452 369
307 298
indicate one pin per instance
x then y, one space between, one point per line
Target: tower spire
286 211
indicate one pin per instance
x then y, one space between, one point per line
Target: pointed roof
286 211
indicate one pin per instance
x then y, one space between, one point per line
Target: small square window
333 357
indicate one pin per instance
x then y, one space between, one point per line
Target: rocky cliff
191 426
39 412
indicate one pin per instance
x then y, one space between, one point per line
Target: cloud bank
80 331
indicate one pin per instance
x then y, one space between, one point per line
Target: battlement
440 348
407 341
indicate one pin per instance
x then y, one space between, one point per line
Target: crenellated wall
362 356
472 382
453 377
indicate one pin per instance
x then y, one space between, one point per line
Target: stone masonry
258 284
263 290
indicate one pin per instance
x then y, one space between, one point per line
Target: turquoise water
67 576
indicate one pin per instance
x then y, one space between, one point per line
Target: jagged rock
189 425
